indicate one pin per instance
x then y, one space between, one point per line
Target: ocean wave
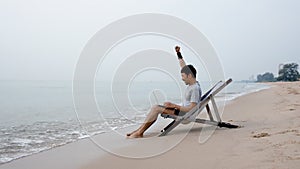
24 140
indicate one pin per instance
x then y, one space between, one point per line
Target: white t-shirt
192 94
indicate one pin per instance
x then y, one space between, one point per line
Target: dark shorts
176 111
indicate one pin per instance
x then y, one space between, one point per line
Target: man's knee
156 108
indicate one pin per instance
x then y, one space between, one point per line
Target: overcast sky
42 40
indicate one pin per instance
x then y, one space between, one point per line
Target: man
191 99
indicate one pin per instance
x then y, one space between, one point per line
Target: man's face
184 78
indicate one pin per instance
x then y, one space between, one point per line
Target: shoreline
223 99
259 128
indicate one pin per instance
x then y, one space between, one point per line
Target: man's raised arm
180 58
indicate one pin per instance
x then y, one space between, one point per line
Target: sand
269 138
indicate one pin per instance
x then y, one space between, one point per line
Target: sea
36 116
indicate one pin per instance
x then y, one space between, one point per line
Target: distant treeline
287 72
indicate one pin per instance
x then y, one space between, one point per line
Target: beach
269 137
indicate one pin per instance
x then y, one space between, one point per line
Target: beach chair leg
210 122
215 123
227 125
170 127
215 109
209 113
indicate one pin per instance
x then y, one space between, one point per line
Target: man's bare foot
128 134
134 134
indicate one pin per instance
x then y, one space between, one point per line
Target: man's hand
177 48
169 105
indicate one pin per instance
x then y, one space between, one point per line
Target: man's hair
189 69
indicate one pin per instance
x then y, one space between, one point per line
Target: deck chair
190 116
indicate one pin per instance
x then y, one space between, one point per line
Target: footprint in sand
293 91
288 131
261 135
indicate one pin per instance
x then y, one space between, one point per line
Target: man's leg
150 119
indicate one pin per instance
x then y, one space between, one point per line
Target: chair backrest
208 92
202 100
206 97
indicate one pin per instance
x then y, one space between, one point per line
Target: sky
42 40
